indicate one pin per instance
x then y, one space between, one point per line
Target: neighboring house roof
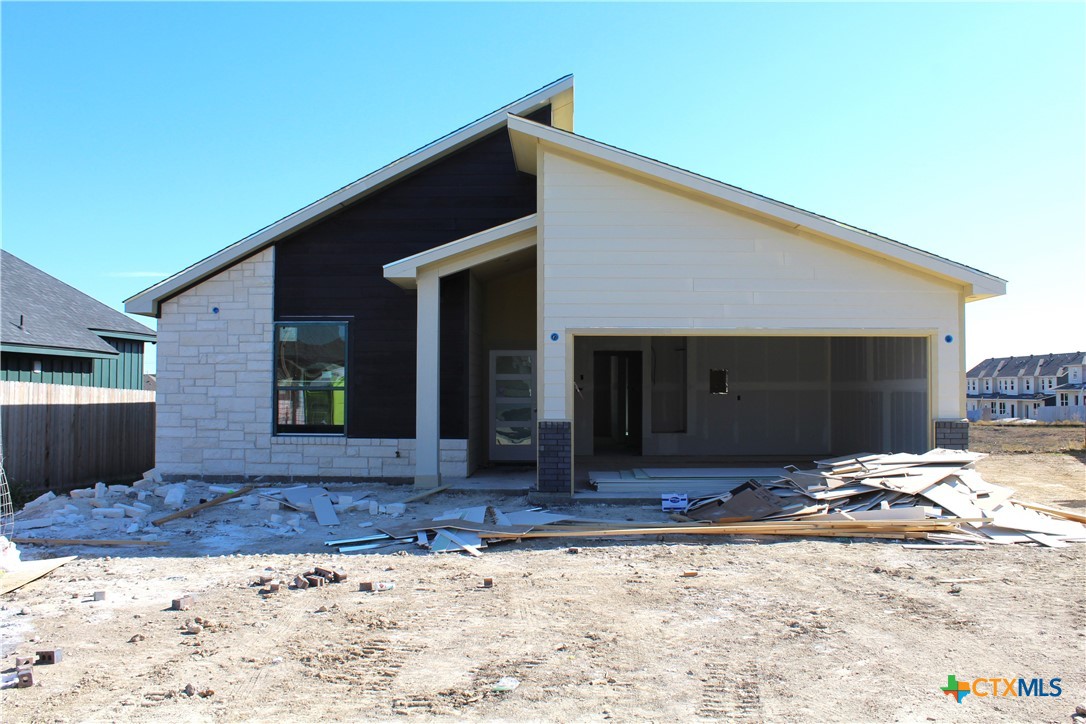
526 134
39 313
1045 365
559 95
150 382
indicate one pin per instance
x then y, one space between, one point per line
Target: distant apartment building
1048 387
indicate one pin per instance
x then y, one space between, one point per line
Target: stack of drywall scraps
945 478
694 482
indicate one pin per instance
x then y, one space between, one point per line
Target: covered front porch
500 364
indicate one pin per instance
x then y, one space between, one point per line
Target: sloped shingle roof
54 314
1044 365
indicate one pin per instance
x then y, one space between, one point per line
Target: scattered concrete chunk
175 498
182 604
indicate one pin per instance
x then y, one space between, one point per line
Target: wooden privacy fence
59 437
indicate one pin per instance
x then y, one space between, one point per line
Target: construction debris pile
884 492
937 497
934 499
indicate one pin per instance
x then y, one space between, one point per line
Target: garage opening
743 397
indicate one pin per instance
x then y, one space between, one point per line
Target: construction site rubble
937 498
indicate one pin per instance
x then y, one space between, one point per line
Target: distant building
53 333
1004 387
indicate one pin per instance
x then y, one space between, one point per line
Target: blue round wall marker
554 336
214 310
949 338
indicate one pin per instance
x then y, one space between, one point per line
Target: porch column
428 382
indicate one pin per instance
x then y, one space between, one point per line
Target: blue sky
140 137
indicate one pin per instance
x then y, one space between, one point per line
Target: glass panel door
512 405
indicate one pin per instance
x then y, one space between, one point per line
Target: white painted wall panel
618 254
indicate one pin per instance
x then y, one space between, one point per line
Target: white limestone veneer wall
215 393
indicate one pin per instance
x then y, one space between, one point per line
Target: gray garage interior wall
880 394
791 396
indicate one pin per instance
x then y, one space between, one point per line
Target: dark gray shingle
52 313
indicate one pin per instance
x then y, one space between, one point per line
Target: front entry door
512 405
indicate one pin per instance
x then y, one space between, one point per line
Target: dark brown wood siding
334 269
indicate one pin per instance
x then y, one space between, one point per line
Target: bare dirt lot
994 437
769 629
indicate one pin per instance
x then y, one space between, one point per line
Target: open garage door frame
800 395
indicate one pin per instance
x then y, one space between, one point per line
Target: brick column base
554 461
952 434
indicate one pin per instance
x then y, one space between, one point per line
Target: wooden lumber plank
1024 519
29 571
913 513
187 512
87 542
945 546
775 527
1052 510
427 493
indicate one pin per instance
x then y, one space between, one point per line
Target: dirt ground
994 437
769 629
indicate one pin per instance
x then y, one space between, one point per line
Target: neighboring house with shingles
53 333
516 292
1016 387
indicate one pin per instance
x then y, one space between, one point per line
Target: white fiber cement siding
618 255
215 389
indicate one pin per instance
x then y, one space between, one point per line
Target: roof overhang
126 335
465 253
527 137
558 94
55 351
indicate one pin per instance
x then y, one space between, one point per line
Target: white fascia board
526 135
147 301
464 253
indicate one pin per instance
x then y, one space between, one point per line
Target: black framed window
311 377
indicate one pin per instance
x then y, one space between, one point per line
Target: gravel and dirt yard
770 629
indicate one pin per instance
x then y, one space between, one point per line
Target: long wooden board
88 542
196 508
1053 510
